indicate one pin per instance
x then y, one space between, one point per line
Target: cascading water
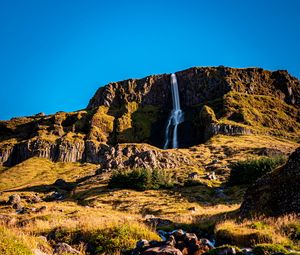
176 116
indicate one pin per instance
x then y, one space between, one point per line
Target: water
176 117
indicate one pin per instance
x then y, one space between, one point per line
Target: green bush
267 249
140 179
248 171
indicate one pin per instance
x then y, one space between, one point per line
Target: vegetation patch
112 239
247 171
267 249
10 244
250 233
140 179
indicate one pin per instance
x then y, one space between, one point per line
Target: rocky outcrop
215 100
109 157
198 85
276 193
225 129
133 156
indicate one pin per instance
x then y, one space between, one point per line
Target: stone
41 209
157 222
62 248
33 199
193 175
53 196
162 250
62 184
17 206
276 193
14 199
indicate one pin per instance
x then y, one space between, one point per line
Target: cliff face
276 193
214 99
198 85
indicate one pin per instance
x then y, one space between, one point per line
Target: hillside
215 100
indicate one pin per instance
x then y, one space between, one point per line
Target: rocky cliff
214 99
276 193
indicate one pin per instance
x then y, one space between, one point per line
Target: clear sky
54 54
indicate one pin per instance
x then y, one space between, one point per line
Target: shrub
248 171
119 238
140 179
110 239
266 249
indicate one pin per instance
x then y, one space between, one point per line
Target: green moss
102 124
10 244
262 112
207 116
267 249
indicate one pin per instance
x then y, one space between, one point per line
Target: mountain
98 180
215 100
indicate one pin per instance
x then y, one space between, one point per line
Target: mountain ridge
216 100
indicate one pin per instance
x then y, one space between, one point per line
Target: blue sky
54 54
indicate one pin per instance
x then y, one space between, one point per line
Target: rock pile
145 156
176 242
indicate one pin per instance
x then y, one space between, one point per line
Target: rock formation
215 100
276 193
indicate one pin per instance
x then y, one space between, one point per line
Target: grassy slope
95 210
37 171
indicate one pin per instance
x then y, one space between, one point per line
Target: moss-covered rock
276 193
268 249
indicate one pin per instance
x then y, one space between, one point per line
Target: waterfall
176 116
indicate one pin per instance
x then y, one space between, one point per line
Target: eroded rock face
276 193
136 110
200 84
133 156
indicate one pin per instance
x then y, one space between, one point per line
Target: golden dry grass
260 230
37 171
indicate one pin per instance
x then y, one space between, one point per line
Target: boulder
162 250
53 196
276 193
62 184
63 248
14 199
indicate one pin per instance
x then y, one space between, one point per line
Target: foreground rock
63 248
276 193
162 250
176 242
